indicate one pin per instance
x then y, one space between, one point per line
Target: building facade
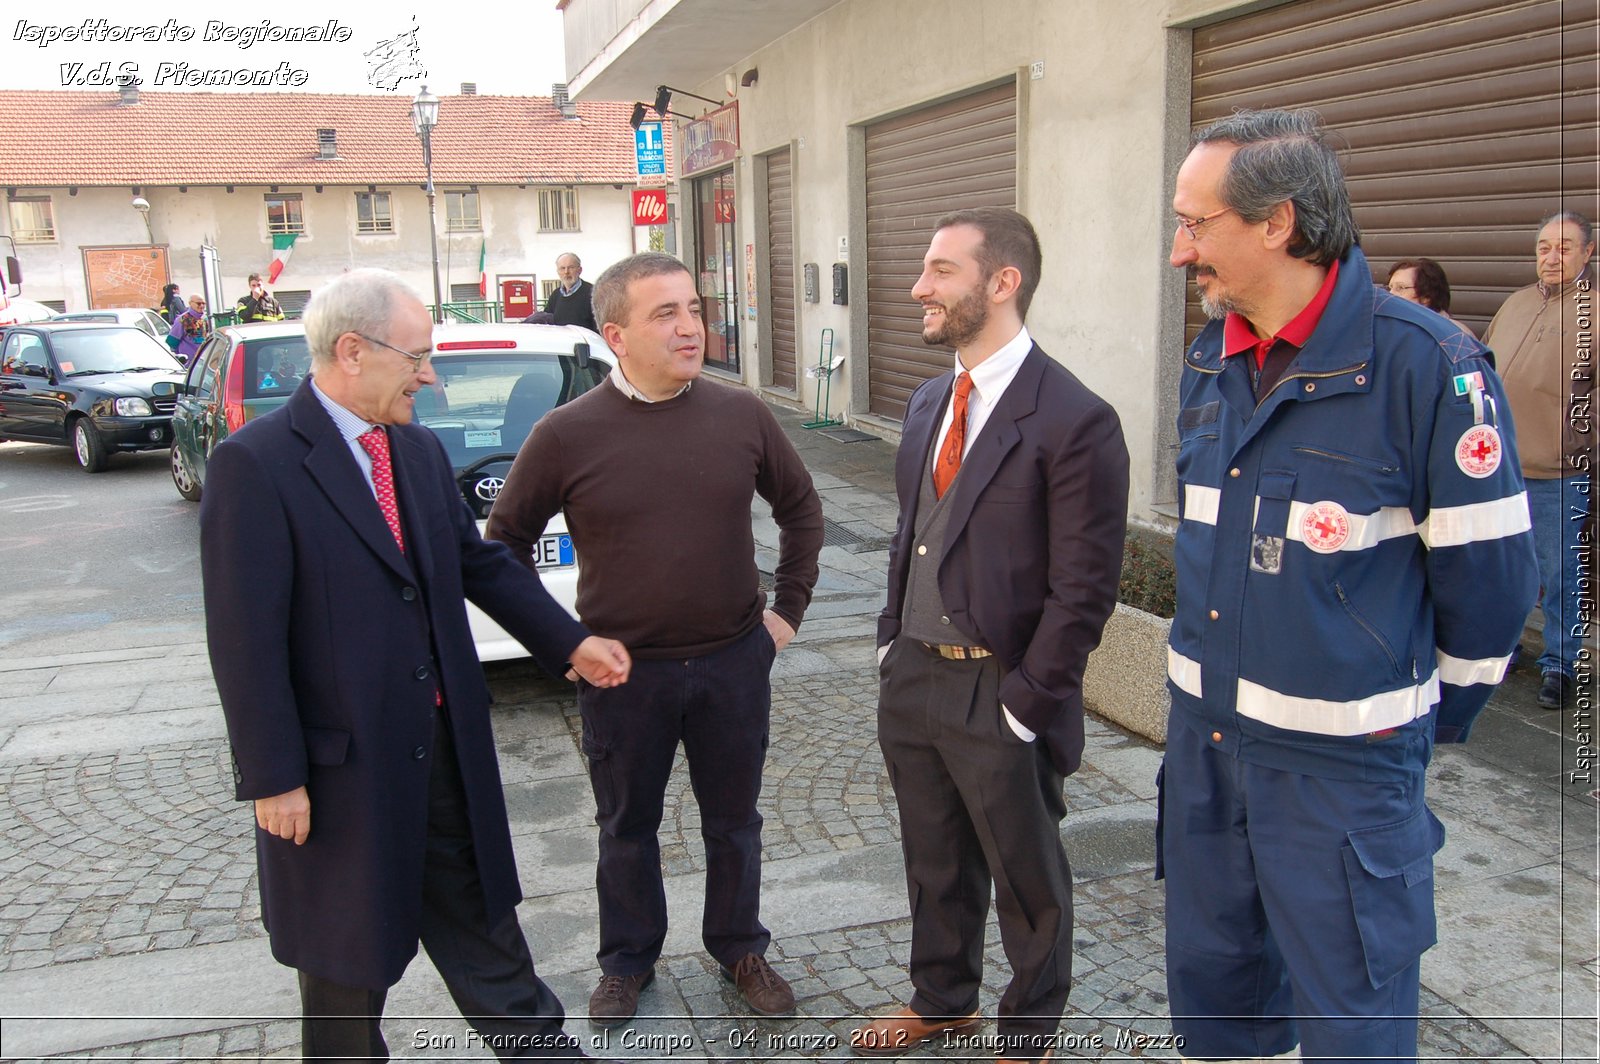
854 124
110 195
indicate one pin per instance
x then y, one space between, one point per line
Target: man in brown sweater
656 471
1542 338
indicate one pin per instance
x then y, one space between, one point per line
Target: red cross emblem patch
1325 527
1478 451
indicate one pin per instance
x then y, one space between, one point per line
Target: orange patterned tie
949 463
376 443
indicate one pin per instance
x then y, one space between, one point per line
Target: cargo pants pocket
1390 871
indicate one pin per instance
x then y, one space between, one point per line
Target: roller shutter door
920 166
780 266
1467 121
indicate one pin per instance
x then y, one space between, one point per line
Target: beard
1215 307
963 321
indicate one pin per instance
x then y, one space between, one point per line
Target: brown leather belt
955 653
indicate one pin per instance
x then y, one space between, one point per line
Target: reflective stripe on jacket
1354 551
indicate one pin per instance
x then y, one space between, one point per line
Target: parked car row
98 389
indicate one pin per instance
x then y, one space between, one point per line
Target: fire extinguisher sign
649 206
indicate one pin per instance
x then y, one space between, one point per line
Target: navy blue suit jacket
328 646
1033 553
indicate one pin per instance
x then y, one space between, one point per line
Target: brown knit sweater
657 497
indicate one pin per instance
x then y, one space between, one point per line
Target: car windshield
84 351
485 405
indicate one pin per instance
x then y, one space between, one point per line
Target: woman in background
1423 281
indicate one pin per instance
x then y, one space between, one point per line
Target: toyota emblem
488 489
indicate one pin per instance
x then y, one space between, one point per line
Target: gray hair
361 301
1585 227
1284 156
573 255
610 299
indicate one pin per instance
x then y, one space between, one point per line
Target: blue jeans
1558 507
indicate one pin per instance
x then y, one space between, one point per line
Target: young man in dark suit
1013 486
337 555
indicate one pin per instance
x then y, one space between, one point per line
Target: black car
94 388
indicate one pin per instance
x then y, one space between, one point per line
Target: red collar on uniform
1238 337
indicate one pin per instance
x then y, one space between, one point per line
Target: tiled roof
215 138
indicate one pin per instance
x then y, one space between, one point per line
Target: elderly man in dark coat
337 554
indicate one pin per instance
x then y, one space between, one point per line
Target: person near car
1542 338
336 558
656 470
1013 486
189 330
572 302
1354 567
170 305
258 304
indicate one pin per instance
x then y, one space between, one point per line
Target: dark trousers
485 965
718 706
1298 908
978 806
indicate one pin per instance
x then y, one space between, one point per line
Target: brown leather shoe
903 1031
616 999
763 989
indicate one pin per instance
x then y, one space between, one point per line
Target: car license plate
554 552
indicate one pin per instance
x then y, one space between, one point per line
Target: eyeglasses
1192 225
1396 289
416 360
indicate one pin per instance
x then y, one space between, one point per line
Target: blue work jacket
1354 558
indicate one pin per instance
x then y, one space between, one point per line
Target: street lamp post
142 205
424 116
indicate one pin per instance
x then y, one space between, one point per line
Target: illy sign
649 206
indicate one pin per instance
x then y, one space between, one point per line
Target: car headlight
133 407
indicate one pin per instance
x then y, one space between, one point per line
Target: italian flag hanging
483 269
282 248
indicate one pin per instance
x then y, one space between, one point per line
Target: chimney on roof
327 145
127 89
558 96
469 88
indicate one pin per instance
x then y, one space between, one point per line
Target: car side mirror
164 390
33 369
581 350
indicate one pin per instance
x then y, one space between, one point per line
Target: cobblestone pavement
111 854
161 858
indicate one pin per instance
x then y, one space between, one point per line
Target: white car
147 321
495 382
16 311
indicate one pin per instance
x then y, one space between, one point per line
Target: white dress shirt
989 382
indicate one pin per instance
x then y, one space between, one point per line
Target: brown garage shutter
780 268
957 154
1467 121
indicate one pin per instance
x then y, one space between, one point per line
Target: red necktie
949 463
376 443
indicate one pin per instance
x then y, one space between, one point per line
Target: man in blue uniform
1354 568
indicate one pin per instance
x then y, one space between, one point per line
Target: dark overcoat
328 645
